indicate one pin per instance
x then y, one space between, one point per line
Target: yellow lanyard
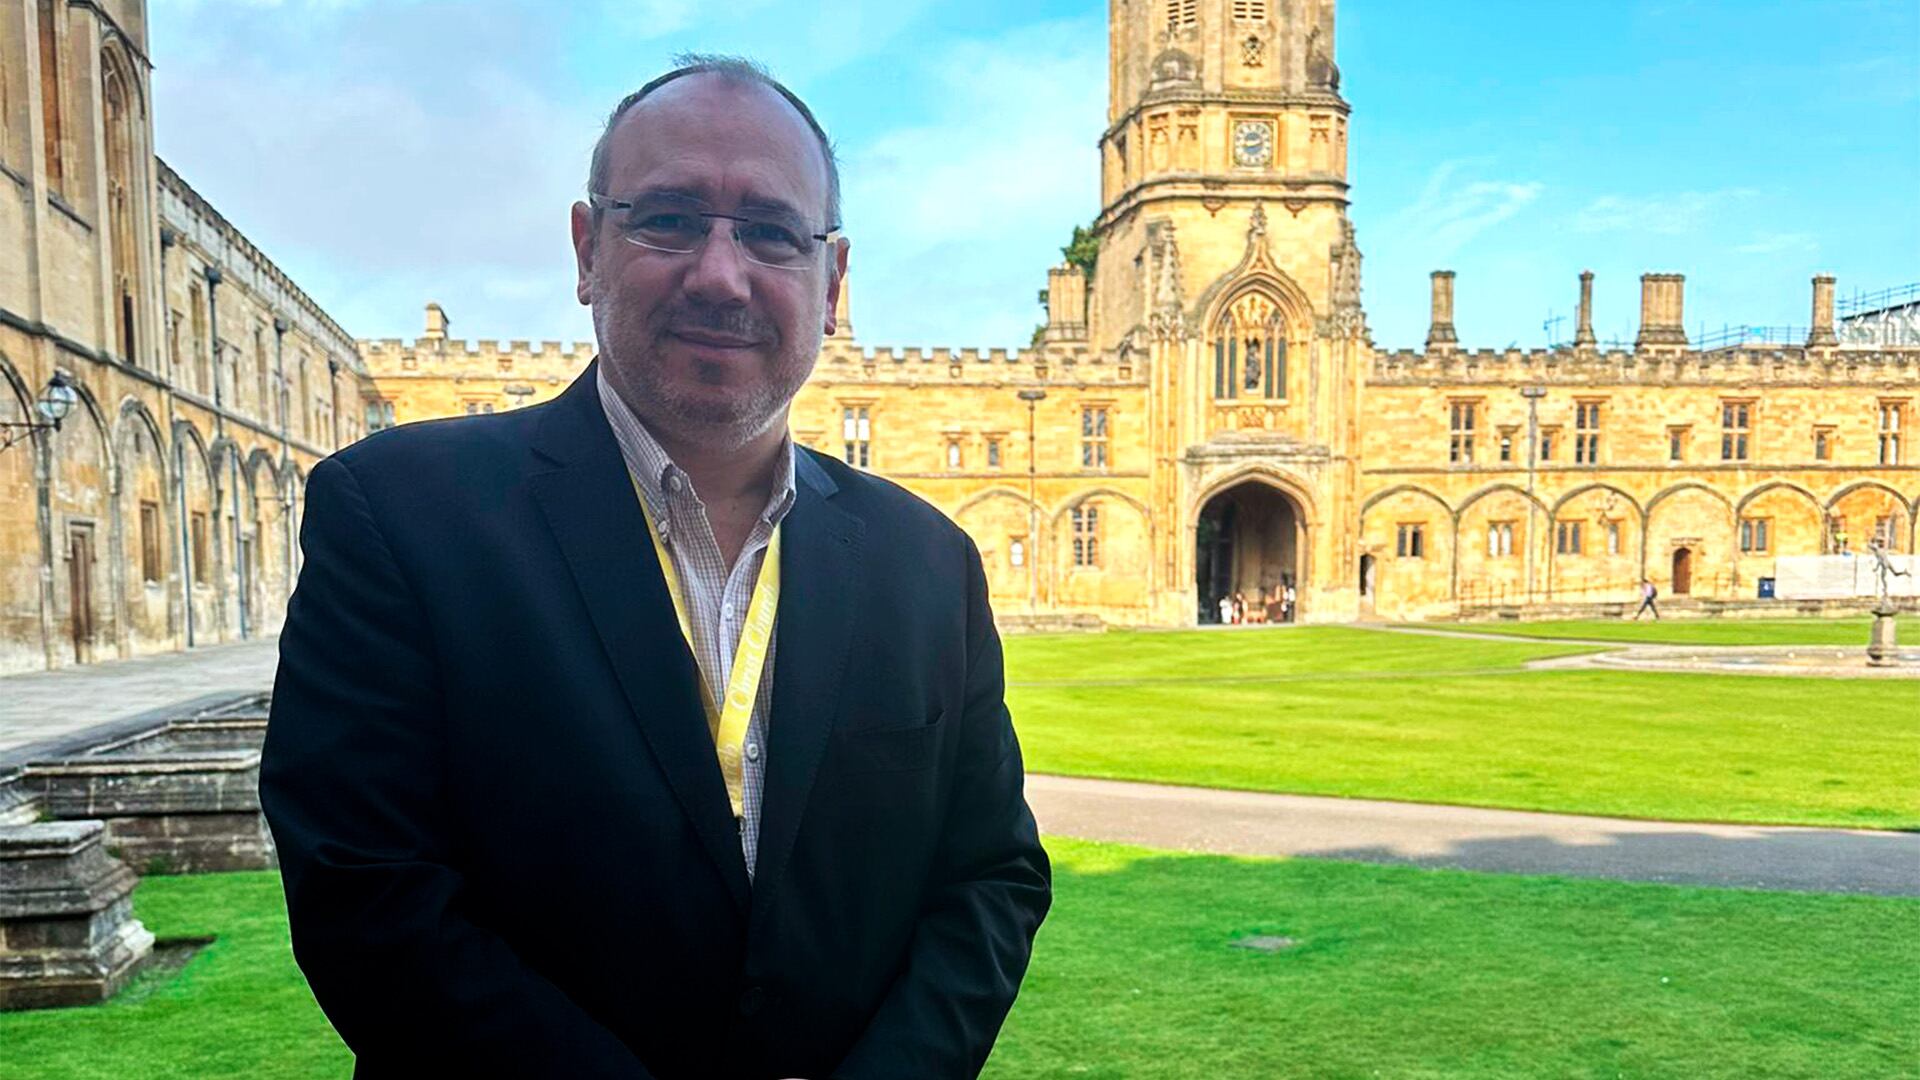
728 724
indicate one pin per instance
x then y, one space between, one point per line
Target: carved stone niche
67 931
1173 67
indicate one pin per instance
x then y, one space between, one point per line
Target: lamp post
1533 394
53 405
1033 398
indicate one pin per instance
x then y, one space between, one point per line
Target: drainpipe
286 495
168 238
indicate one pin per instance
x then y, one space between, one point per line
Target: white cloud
966 211
1662 214
1450 212
1777 243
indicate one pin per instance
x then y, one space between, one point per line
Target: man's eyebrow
763 203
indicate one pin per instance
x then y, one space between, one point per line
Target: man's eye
766 232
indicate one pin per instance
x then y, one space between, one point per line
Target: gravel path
1469 838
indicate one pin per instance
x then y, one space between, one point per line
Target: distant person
1277 605
1647 595
1226 609
1288 600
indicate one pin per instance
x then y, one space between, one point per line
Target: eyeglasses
681 226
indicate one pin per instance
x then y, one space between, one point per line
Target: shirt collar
654 471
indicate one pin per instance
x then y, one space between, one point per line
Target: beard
702 402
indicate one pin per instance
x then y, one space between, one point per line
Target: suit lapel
819 566
590 506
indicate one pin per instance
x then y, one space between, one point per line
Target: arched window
50 94
119 98
1250 350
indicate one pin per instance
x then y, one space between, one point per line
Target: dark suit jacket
505 841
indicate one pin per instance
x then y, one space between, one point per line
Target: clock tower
1228 265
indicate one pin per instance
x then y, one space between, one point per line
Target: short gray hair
736 69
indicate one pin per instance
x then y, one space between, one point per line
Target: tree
1084 249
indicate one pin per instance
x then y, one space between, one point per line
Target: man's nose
720 272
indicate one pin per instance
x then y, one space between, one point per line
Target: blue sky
390 152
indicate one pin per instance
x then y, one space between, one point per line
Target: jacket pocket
890 749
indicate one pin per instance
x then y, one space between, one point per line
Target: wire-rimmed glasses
680 226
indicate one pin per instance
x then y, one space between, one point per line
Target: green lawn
1406 973
1336 711
240 1009
1848 631
1397 973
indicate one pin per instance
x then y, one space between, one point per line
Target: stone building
1205 413
162 512
1208 413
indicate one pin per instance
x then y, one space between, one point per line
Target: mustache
729 320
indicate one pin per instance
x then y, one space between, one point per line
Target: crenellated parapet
1781 365
484 358
1067 362
1661 354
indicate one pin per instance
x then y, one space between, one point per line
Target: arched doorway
1368 577
1682 571
1249 540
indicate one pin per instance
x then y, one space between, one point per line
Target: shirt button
753 751
673 482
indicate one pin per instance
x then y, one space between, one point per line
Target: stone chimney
1440 334
1821 335
1583 325
1662 310
436 323
842 319
1066 304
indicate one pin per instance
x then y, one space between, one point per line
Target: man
1647 595
620 737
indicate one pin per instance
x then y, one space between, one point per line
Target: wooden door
80 590
1682 572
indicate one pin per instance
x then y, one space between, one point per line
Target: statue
1880 642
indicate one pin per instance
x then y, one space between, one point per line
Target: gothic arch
1748 499
1848 489
996 492
11 377
1013 538
1098 493
1598 486
125 170
1379 497
186 436
1286 483
1496 488
133 412
1685 485
23 477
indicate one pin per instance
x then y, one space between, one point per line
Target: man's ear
836 281
583 235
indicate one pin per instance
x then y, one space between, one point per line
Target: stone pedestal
173 801
1882 649
67 931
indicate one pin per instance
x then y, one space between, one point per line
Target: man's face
709 347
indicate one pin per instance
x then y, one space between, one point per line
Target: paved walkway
42 710
1468 838
45 708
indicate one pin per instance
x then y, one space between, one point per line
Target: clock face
1252 143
